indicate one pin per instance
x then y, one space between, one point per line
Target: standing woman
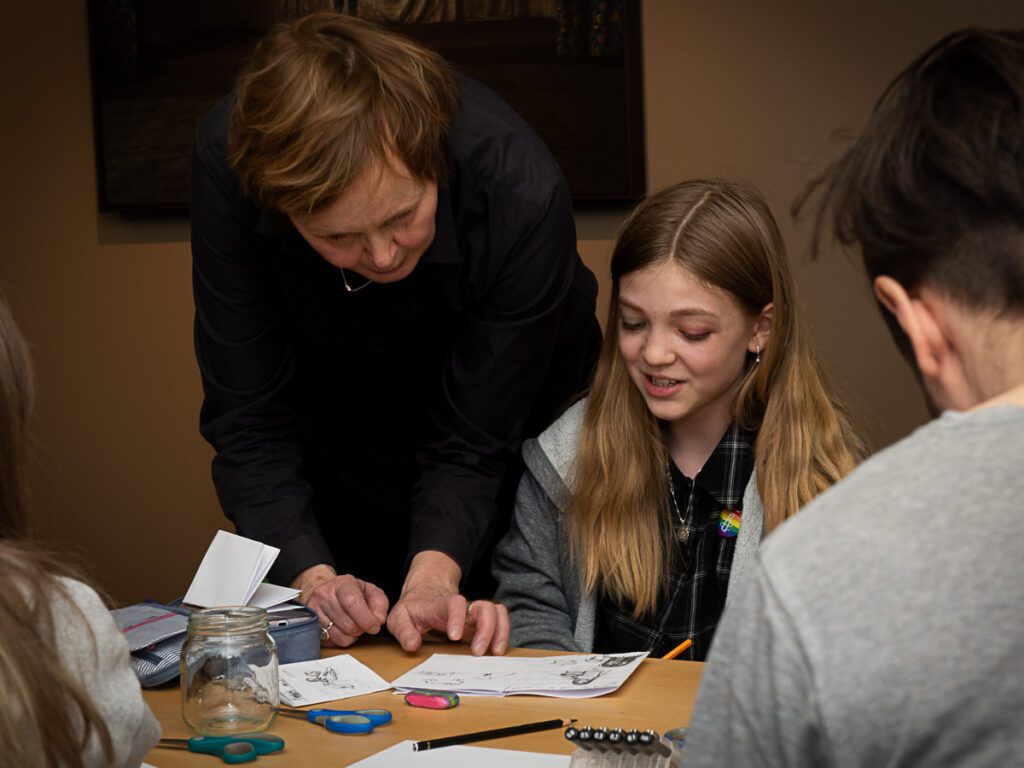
388 299
70 697
709 423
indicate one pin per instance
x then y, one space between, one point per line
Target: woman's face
684 344
379 228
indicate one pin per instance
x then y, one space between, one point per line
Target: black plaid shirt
699 575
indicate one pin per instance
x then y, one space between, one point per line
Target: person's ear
930 347
762 329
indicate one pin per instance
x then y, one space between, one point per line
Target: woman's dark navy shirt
357 429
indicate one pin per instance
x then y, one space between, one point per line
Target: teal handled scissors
341 720
231 749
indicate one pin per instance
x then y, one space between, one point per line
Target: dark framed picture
571 68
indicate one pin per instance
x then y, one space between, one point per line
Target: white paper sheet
401 755
231 573
339 677
573 676
270 595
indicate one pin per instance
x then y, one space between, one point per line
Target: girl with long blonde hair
70 697
708 423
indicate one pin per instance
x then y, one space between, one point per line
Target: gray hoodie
535 578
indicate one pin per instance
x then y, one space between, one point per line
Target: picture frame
571 68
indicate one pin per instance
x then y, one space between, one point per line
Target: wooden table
658 695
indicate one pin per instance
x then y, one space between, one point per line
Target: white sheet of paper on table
339 677
402 754
564 676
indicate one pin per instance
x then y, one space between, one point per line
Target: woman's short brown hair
325 97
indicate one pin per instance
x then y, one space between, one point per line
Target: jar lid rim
237 618
227 610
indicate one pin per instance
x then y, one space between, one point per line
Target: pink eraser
432 699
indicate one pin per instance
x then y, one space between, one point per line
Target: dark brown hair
324 98
933 189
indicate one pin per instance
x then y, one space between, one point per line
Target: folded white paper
232 573
565 676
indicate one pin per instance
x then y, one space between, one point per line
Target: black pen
496 733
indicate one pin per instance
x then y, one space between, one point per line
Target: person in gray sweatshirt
884 624
707 423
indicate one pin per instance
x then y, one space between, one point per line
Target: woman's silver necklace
349 288
681 532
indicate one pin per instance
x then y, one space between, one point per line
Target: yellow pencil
678 649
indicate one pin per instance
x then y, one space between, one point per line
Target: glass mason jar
228 671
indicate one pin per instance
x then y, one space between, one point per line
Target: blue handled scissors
230 749
342 720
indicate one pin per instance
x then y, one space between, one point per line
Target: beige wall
758 90
119 470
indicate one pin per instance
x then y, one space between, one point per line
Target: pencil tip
569 722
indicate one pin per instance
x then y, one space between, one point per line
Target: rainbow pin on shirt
729 523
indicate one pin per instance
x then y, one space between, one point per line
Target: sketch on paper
339 677
328 678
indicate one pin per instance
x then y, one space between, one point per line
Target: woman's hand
348 607
430 602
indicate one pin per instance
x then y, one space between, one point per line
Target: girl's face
685 344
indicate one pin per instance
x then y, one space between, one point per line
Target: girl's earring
757 356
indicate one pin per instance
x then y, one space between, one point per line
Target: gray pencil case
295 631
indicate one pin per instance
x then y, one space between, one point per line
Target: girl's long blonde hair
618 523
47 718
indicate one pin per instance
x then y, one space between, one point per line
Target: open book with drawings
569 676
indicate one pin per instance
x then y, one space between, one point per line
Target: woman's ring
325 632
469 611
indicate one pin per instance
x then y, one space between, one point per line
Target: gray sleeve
747 543
757 704
528 564
100 655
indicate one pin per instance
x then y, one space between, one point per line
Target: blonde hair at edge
47 718
324 99
618 522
